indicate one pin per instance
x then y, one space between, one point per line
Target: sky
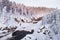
40 3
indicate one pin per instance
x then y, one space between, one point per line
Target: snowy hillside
44 21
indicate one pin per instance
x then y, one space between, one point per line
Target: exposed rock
18 35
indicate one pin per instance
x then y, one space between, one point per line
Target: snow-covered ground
46 28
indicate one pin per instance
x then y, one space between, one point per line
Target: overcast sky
40 3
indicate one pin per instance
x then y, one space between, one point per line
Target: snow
45 29
42 26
